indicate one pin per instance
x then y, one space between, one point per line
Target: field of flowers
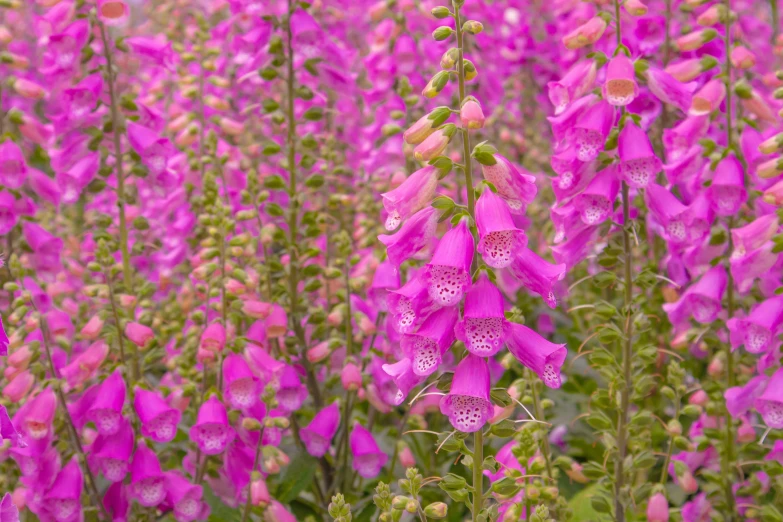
391 260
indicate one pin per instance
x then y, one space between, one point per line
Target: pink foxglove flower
63 500
742 58
139 334
516 188
113 12
658 508
414 194
447 275
708 98
638 162
113 452
596 203
592 128
471 115
754 235
770 403
620 87
185 498
702 300
426 347
368 459
158 420
277 322
426 125
106 410
39 415
483 328
543 357
668 89
386 278
8 511
435 143
403 377
577 82
727 192
537 275
467 405
759 328
740 399
212 432
415 234
8 431
290 393
13 169
240 387
499 238
148 484
410 304
318 435
586 34
213 339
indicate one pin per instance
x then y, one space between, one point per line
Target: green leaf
314 181
274 182
296 478
314 113
219 512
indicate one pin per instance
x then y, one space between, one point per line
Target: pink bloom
620 87
467 405
368 459
139 334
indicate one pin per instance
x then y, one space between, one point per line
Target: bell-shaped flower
702 300
403 377
213 339
415 234
240 387
596 203
212 432
516 188
106 410
739 399
576 248
586 34
753 235
727 192
148 483
263 364
592 128
483 328
499 238
158 420
291 393
638 162
113 12
680 223
113 452
506 461
759 328
13 169
139 334
747 269
8 431
317 436
685 134
541 356
577 82
412 195
467 405
426 347
447 275
708 98
668 89
184 497
770 403
368 459
620 87
537 275
9 213
386 278
277 322
562 123
63 500
39 415
8 511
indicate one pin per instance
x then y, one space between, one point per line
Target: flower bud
251 424
440 12
319 352
635 7
674 427
695 39
92 329
470 70
658 508
713 15
774 194
435 85
426 125
699 398
435 144
770 168
259 494
351 376
442 32
449 59
746 432
139 334
742 58
407 459
29 89
472 27
471 114
412 506
399 502
586 34
575 473
715 368
436 510
256 309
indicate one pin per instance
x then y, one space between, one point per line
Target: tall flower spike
158 420
447 275
483 328
106 411
537 274
591 130
596 203
499 238
536 353
727 192
240 386
638 162
770 403
368 459
415 234
212 432
426 347
148 484
317 436
412 195
516 188
620 87
467 405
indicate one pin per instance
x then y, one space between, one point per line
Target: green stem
478 473
223 302
545 439
773 4
465 135
665 470
120 334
